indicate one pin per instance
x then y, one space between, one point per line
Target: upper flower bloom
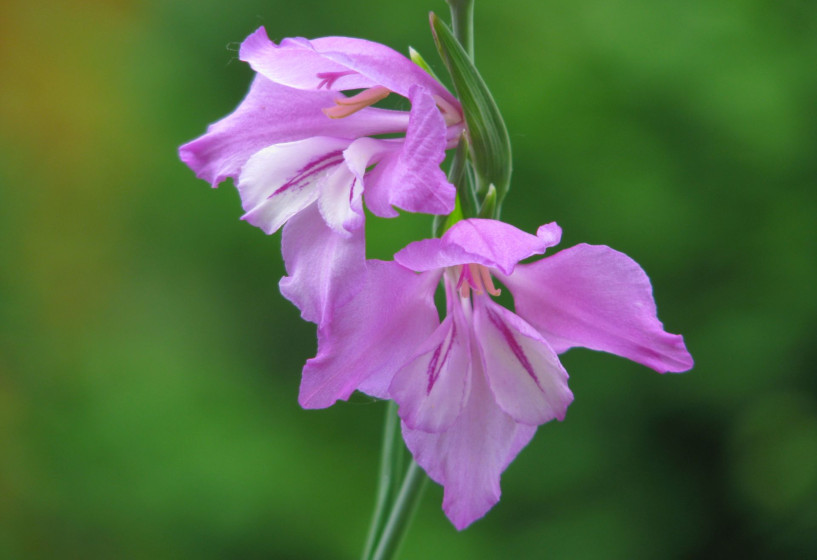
473 388
297 140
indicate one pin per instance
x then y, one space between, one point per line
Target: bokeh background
149 367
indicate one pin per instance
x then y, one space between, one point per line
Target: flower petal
272 114
339 200
325 268
469 457
377 197
596 297
413 179
488 242
335 63
341 196
433 387
280 181
372 335
523 371
298 64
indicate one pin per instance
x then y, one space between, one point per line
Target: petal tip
550 234
254 40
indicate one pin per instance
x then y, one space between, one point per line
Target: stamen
488 282
349 105
474 277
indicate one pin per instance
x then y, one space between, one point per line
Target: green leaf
487 135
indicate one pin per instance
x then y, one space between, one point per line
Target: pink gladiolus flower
297 146
297 140
473 388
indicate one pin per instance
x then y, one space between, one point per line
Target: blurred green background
149 367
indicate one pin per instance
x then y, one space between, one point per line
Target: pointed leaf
490 143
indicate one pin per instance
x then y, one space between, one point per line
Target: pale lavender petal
378 199
336 63
596 297
280 181
521 439
365 152
325 269
469 457
272 114
433 387
340 202
372 335
365 157
523 371
488 242
550 234
413 179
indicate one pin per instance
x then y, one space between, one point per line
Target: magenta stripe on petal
435 365
328 78
312 168
512 344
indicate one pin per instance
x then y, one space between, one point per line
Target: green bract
487 135
418 59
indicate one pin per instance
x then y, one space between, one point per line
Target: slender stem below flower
388 480
402 513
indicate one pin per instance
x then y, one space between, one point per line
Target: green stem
402 513
462 23
388 480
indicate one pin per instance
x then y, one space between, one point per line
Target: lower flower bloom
473 387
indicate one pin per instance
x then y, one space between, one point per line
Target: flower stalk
397 499
404 507
391 468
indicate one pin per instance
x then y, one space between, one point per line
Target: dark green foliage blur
149 368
